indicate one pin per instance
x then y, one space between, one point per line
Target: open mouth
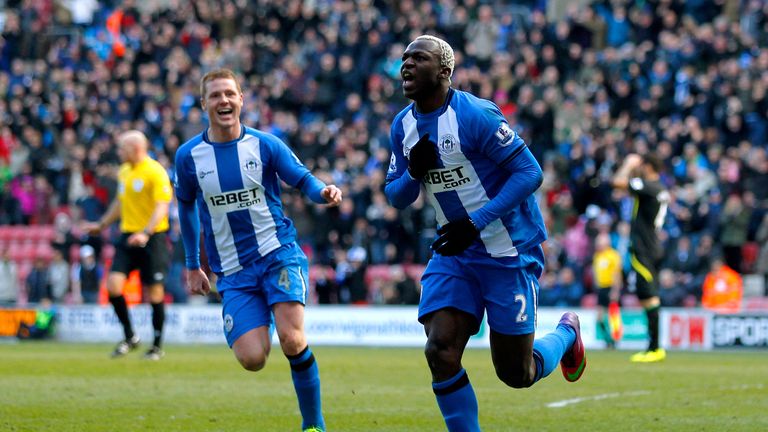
408 79
225 111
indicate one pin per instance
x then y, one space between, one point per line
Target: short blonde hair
217 74
447 58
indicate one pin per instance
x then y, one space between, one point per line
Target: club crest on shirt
448 144
137 185
250 165
505 134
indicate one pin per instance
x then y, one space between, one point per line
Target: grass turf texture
76 387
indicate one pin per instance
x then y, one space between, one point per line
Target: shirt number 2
521 316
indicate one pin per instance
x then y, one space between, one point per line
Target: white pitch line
566 402
743 387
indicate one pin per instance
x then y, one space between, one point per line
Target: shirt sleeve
291 170
498 142
185 183
400 188
189 222
495 137
526 178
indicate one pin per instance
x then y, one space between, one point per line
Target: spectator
92 209
325 286
723 288
385 292
10 207
9 283
58 273
671 293
684 264
570 287
407 291
87 275
734 222
481 36
352 283
38 282
43 327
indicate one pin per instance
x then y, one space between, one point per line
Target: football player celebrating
230 175
480 177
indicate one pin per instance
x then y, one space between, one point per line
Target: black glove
455 237
423 157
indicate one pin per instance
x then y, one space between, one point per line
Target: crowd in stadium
583 82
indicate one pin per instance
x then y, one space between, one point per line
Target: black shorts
152 260
645 275
604 297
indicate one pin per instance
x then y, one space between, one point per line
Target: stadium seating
25 244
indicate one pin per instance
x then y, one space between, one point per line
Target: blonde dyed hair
447 58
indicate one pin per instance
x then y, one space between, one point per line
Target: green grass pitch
76 387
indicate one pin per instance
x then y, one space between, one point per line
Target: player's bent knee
251 354
253 362
515 378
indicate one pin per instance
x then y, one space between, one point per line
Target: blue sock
306 381
548 351
458 403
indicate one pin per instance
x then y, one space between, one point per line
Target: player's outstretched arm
332 195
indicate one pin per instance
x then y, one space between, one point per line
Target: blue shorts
248 295
506 289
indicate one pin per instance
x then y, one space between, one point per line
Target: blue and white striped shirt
478 162
236 186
